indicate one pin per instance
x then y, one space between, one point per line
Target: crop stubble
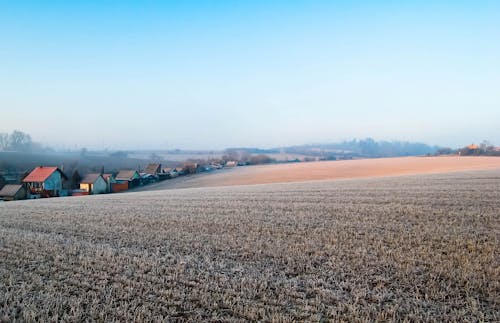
410 248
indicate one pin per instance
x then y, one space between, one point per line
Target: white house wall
100 186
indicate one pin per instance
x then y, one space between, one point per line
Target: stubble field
332 170
414 248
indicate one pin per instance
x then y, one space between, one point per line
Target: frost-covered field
417 248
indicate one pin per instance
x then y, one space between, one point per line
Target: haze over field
332 170
217 74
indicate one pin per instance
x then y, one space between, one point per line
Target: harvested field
415 248
361 168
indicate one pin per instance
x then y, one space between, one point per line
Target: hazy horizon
213 75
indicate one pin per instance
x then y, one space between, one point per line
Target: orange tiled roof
472 146
40 174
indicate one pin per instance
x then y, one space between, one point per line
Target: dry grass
326 170
418 248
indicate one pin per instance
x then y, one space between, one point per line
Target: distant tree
445 151
25 174
75 179
83 152
330 157
155 157
486 147
2 182
369 147
231 154
37 147
4 141
190 168
245 157
260 159
20 141
485 144
119 154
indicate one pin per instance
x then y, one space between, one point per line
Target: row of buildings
49 181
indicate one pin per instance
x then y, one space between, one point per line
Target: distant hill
363 148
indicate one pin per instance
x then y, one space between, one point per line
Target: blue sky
214 74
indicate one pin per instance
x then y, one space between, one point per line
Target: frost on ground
416 248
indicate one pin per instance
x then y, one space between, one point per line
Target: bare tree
4 141
20 141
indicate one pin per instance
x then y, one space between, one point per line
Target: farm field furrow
416 248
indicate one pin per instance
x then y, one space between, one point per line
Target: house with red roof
45 181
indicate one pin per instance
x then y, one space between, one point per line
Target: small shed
94 184
45 181
11 192
129 177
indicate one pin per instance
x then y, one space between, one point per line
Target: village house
156 171
473 147
148 178
231 163
11 192
110 180
94 184
179 171
126 179
190 168
153 169
169 172
45 182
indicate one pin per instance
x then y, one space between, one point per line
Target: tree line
19 141
364 148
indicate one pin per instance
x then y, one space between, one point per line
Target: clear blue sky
213 74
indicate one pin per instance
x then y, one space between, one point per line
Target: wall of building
85 186
119 187
53 183
100 186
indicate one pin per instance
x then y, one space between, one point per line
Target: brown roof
472 146
106 176
41 173
125 175
90 178
10 190
153 169
167 170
